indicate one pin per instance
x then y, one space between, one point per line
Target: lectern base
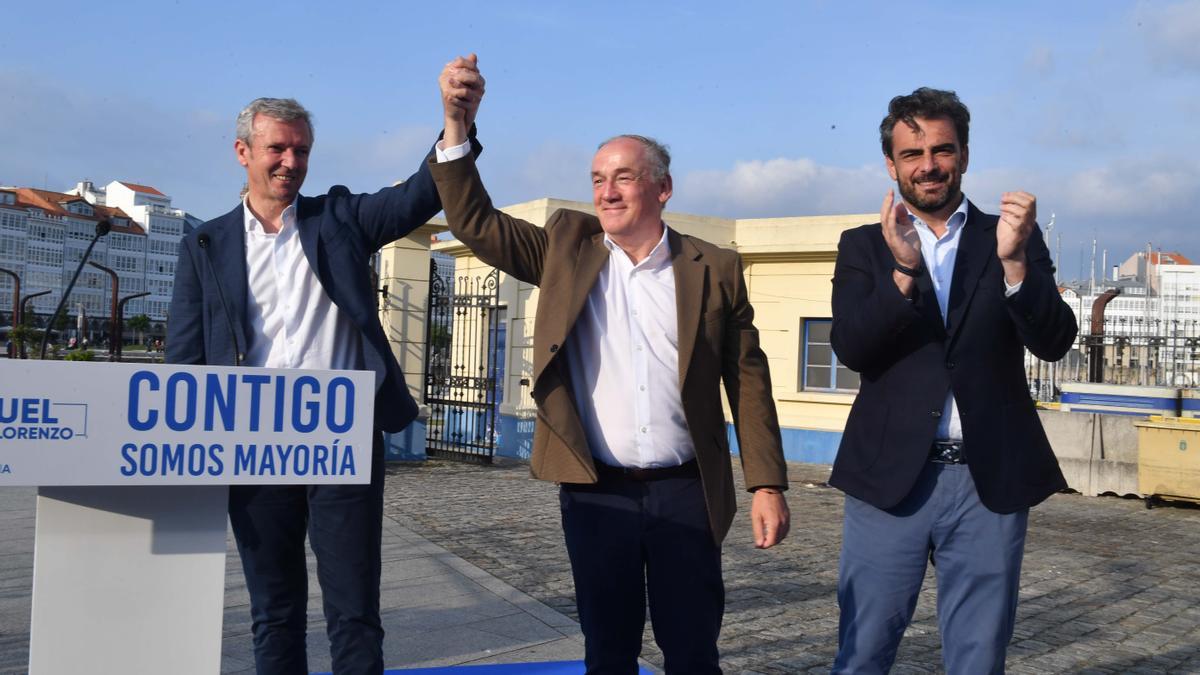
129 580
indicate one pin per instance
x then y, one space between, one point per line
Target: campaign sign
80 423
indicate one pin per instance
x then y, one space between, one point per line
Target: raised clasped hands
462 88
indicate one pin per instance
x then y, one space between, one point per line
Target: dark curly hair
924 102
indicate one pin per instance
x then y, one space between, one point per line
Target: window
819 367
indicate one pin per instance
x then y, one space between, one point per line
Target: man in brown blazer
637 326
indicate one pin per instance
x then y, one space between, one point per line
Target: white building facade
1152 327
44 234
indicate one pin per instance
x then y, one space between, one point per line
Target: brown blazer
717 339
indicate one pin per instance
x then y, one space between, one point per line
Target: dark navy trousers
344 526
632 540
977 559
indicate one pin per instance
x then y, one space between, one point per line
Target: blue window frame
819 366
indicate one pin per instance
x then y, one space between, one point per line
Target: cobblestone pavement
1108 586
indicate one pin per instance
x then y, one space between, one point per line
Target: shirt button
642 387
935 413
643 430
950 365
553 348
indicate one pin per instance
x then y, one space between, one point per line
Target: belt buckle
947 452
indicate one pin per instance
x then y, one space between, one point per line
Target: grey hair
656 154
282 109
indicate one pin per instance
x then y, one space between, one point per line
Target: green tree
25 336
139 324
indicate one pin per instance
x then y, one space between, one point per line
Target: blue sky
770 108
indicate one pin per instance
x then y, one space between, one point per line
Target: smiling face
628 199
927 164
276 160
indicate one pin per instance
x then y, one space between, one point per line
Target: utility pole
1092 284
1049 231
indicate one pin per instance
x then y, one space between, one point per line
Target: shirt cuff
445 154
1010 291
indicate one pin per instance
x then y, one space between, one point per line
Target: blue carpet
548 668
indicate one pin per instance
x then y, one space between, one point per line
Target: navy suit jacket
909 359
339 232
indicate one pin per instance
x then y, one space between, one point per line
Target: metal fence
1147 352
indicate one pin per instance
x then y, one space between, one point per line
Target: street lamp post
116 337
121 318
25 312
16 301
114 322
102 228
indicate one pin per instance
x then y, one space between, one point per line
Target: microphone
204 240
102 228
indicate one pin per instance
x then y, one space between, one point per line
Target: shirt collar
955 221
658 255
252 224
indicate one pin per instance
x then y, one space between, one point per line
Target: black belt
688 469
947 452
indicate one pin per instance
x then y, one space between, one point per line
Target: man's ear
242 150
665 191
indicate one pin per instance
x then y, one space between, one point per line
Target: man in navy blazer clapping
943 453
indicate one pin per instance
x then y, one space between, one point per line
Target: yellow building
789 265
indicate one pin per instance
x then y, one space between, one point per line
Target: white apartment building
43 236
164 228
1154 322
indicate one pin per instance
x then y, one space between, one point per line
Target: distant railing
1147 352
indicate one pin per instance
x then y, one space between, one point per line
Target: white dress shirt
939 256
623 356
293 323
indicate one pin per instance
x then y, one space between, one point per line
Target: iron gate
463 346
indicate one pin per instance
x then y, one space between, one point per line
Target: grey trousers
977 559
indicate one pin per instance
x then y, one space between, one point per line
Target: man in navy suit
284 281
943 453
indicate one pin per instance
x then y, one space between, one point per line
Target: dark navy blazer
908 361
339 232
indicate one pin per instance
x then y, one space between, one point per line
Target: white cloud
560 169
366 164
551 169
1147 189
1040 60
1124 203
63 133
781 187
1172 33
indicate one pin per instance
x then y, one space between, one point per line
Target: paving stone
1107 586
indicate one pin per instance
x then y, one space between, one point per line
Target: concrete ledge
1098 453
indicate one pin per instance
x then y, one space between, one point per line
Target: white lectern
133 464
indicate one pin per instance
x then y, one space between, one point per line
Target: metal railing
1146 352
